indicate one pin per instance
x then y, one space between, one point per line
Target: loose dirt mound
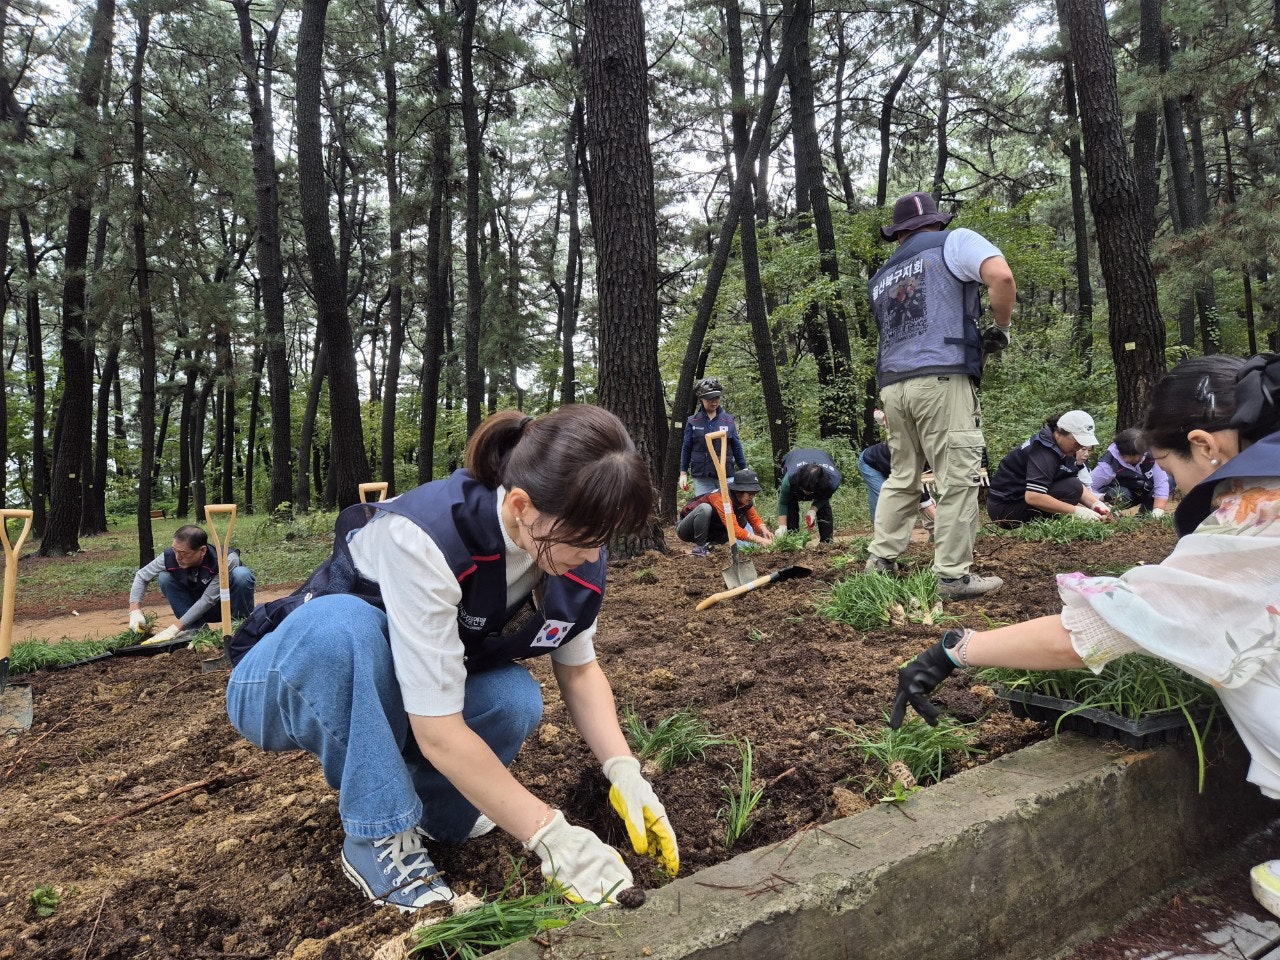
171 836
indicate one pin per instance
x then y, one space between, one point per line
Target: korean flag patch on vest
552 634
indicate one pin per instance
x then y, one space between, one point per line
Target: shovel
15 702
739 572
222 545
379 487
786 573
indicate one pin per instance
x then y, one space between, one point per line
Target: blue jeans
324 682
702 485
874 480
240 579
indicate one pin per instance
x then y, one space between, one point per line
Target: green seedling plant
739 810
870 600
44 899
673 741
35 653
923 749
899 793
1132 686
793 541
515 915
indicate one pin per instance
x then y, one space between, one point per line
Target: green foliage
36 654
514 915
45 899
869 600
924 749
1132 686
741 800
1066 529
675 740
793 541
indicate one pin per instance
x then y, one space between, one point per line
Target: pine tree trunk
1136 327
350 461
617 133
35 384
75 411
146 321
475 282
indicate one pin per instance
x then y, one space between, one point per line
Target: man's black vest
195 578
461 517
927 316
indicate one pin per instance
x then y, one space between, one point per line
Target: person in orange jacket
702 518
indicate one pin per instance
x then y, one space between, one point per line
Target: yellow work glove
584 867
645 817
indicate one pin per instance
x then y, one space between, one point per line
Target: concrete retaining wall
1018 858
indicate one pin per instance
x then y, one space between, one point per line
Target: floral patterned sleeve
1212 608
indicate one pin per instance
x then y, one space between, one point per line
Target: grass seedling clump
741 801
34 653
1132 686
673 741
922 748
869 600
510 918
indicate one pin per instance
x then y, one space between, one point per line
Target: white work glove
164 636
811 517
1102 509
1081 512
781 531
137 621
585 867
646 819
683 481
1157 512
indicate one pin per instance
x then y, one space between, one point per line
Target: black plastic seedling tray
1169 726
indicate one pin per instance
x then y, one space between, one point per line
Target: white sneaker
1265 880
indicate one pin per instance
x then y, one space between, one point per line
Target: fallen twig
35 743
96 920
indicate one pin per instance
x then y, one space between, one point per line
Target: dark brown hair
1130 442
808 478
191 536
1197 394
577 464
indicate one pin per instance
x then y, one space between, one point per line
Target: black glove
994 339
918 677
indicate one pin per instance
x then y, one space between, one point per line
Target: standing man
695 459
927 303
808 475
188 575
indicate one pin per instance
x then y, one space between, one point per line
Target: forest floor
167 834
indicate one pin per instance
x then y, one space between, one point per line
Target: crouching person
396 664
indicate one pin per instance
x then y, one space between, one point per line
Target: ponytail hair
578 464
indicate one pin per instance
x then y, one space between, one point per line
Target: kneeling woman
396 662
1041 477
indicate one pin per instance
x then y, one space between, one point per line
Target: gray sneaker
396 871
881 565
970 585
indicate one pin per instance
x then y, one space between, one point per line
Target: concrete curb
1018 858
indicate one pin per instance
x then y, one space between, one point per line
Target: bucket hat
745 481
912 212
1080 425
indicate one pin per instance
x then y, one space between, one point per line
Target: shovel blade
15 709
739 572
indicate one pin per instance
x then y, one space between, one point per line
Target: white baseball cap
1080 425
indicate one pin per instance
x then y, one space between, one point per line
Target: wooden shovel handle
727 504
736 591
223 548
380 487
11 551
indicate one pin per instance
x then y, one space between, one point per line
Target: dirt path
106 623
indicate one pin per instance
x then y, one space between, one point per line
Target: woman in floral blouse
1214 425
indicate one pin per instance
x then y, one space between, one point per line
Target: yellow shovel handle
222 545
718 458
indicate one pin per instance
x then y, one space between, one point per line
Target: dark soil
168 835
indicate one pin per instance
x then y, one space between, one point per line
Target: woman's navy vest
1136 478
461 517
831 476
